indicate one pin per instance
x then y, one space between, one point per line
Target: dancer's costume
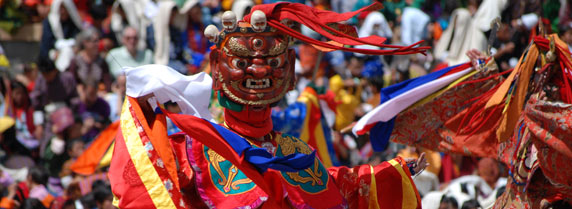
525 120
242 163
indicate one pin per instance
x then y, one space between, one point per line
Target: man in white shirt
128 55
413 24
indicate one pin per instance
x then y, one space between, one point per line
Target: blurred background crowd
62 83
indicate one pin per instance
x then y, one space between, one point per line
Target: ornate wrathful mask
251 66
251 62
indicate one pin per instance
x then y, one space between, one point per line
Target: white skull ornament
229 21
211 32
258 21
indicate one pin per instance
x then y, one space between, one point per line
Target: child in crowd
34 187
93 110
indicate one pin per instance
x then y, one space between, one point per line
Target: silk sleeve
387 185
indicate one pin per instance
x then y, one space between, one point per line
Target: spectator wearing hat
197 44
166 36
63 23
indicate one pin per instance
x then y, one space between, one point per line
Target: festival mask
252 64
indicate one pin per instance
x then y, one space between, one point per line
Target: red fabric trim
457 69
366 129
30 120
249 123
317 20
565 63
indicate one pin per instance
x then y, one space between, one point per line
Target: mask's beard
249 122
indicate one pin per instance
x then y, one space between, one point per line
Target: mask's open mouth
250 83
267 90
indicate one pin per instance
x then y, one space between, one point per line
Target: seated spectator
18 106
34 187
471 204
448 203
74 149
99 12
103 197
197 45
413 23
62 121
88 64
36 182
58 30
566 35
53 89
33 203
28 78
165 37
127 13
93 110
116 97
128 55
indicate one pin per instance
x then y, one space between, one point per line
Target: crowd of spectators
51 110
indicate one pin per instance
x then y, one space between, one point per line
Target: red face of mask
253 69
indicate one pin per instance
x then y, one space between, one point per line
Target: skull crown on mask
251 64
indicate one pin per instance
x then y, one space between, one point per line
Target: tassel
319 21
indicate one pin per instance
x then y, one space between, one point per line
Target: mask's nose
259 68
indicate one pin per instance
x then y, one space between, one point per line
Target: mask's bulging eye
275 62
239 63
257 44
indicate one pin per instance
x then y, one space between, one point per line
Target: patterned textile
549 124
530 134
427 124
150 171
397 98
541 141
143 172
221 185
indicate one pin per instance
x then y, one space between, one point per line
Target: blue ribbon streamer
260 158
380 133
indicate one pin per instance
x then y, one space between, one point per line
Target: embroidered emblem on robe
225 176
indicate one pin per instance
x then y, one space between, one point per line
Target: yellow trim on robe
106 159
115 201
409 196
305 135
373 204
143 165
322 147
